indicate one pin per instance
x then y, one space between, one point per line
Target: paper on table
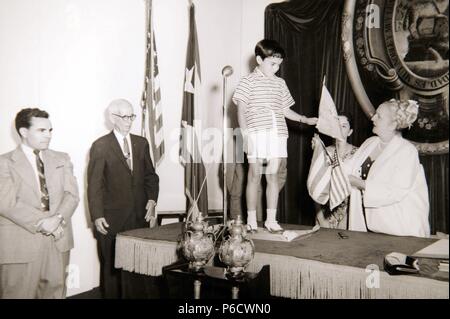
290 235
287 235
438 249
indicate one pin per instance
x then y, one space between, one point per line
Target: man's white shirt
28 151
119 138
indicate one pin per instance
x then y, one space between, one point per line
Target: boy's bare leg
253 181
272 183
272 195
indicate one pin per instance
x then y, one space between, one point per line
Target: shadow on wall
85 199
15 136
251 63
109 126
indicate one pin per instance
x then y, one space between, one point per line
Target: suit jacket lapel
50 165
390 150
118 150
361 155
135 151
26 172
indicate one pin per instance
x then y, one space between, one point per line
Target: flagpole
145 91
226 72
143 119
225 193
150 48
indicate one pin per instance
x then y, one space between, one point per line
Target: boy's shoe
252 228
273 227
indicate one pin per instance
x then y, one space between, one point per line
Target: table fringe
297 278
144 256
290 277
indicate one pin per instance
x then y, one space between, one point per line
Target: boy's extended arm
288 113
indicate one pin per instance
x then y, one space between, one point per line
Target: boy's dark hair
23 118
269 48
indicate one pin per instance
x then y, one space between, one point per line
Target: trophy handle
187 234
213 237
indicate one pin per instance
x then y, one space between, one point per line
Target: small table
212 282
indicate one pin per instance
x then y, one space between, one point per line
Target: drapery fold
304 15
310 33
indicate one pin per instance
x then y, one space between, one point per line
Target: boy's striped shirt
266 99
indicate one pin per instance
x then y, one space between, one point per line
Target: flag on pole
190 156
151 96
328 122
319 176
339 185
326 180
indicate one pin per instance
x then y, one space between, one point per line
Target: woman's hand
357 182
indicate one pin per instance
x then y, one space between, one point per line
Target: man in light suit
38 195
122 189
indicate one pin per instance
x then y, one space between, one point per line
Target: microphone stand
224 153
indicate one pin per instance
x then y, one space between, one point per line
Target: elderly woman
390 193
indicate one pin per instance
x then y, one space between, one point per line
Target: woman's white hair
405 112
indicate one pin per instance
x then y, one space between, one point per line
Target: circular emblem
399 49
416 38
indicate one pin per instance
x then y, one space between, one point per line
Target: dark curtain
436 172
310 33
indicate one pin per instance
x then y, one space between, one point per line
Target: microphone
227 71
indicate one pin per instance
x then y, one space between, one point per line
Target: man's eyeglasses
126 117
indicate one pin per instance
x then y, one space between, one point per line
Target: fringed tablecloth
320 266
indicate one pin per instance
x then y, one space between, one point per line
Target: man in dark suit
122 189
38 195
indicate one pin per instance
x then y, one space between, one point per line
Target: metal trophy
236 251
197 243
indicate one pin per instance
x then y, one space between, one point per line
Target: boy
263 101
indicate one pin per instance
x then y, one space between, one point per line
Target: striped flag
190 156
318 182
339 185
326 180
151 96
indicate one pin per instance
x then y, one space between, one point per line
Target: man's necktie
45 203
126 149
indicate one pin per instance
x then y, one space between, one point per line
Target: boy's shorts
266 145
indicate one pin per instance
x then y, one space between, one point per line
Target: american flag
326 180
194 169
151 96
339 185
318 182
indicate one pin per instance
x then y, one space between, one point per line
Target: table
320 266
